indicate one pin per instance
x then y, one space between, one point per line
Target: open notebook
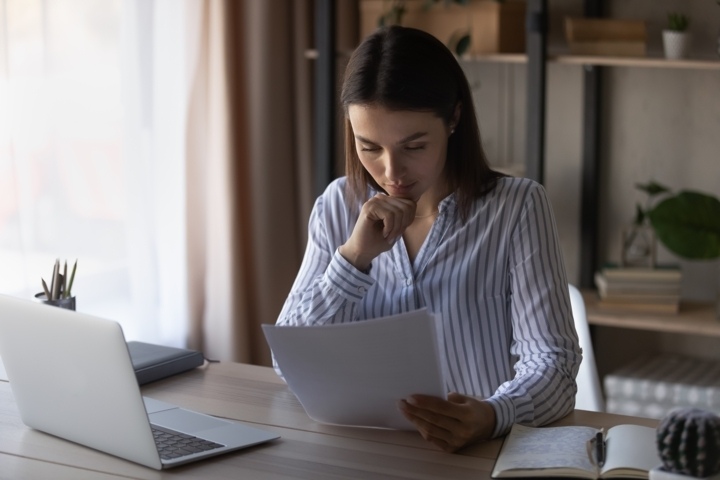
629 452
71 376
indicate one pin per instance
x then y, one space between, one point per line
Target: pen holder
67 303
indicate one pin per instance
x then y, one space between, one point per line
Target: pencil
72 278
45 288
65 283
53 280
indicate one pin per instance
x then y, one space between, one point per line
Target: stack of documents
355 373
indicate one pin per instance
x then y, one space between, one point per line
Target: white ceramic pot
676 44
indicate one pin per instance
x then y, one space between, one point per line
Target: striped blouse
497 281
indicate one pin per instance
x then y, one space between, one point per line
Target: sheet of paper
355 373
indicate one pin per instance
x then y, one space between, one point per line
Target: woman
421 220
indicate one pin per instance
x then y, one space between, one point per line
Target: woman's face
404 151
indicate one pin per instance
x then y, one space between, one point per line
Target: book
623 298
154 362
638 307
639 294
355 373
630 452
611 287
661 274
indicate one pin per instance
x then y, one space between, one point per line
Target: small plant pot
676 44
67 303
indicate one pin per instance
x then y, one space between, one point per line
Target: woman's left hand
450 424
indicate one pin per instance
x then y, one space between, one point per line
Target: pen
600 448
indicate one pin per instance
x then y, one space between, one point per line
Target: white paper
355 373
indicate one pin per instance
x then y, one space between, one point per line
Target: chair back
589 394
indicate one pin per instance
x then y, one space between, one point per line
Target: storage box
498 27
604 36
494 27
652 386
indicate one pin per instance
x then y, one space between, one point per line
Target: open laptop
72 377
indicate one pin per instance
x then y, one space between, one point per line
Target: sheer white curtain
94 101
160 43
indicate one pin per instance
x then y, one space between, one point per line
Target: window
75 173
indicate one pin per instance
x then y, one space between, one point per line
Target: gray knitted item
688 441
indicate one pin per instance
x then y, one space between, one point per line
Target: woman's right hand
382 221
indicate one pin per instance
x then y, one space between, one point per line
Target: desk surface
256 395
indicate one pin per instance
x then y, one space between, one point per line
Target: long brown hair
404 68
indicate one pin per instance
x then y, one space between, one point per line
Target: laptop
72 377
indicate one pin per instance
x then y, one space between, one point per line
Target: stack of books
650 290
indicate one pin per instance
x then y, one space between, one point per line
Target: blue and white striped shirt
497 281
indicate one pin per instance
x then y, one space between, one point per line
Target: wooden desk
257 396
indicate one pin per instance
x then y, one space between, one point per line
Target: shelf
491 58
312 54
496 58
642 62
693 318
639 62
514 170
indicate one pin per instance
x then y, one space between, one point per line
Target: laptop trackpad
185 421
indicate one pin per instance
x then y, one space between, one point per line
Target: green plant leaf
678 22
688 224
639 215
652 188
462 45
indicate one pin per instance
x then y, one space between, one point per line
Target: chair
589 394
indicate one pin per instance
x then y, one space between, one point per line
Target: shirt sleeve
545 343
327 288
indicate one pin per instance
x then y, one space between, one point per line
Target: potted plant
687 223
676 38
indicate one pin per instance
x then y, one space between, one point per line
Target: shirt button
362 289
409 282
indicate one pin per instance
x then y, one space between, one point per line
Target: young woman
421 220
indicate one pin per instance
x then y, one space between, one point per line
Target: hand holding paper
355 373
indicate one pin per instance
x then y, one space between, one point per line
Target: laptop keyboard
173 444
